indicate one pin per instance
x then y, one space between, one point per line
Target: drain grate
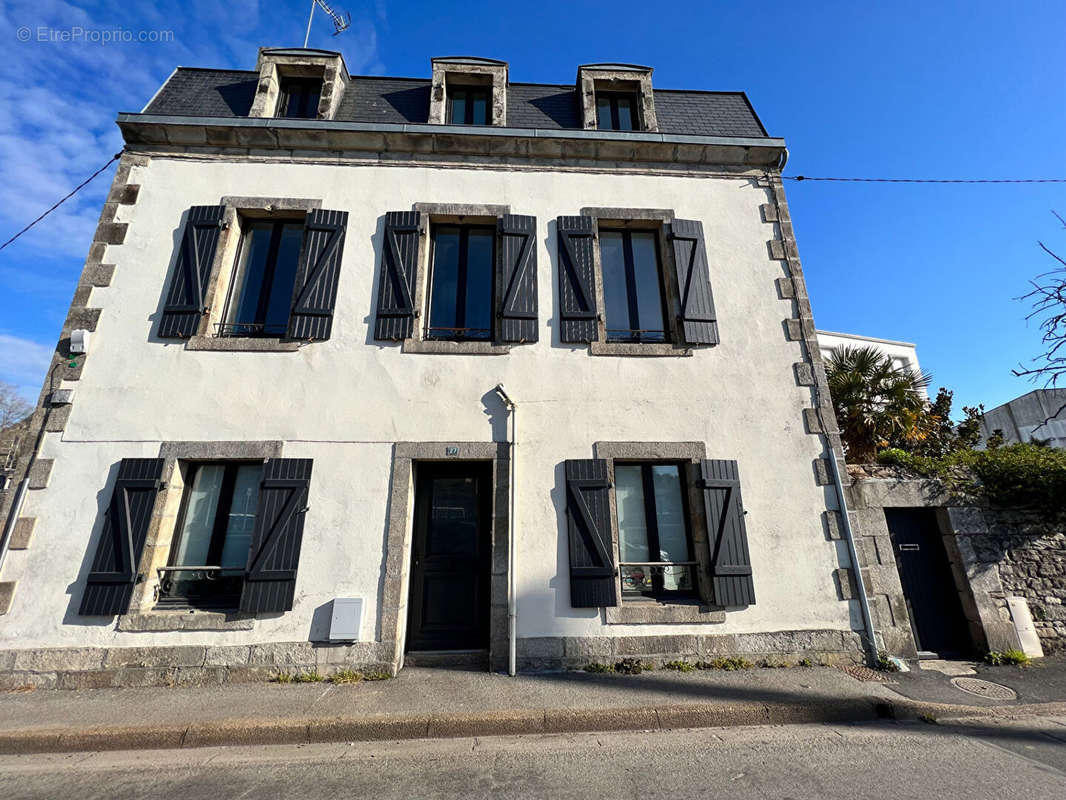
866 674
986 689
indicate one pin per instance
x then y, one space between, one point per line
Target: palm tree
877 404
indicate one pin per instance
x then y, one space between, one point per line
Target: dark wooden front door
937 618
450 557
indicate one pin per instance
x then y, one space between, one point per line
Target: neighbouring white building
904 355
378 369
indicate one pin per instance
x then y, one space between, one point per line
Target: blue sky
907 89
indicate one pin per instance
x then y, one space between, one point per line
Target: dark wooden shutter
588 519
516 279
315 291
399 268
699 323
109 585
726 534
196 253
270 579
577 283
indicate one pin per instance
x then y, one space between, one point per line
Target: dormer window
299 97
616 111
469 105
616 97
468 91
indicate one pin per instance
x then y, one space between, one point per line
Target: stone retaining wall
197 665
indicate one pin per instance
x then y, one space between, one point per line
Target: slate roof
229 93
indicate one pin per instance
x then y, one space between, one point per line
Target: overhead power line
76 189
924 180
88 180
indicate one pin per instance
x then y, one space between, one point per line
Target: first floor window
261 295
298 98
469 105
655 548
616 111
460 294
213 535
632 286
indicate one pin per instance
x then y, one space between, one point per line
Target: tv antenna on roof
340 22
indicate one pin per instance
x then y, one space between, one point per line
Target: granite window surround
143 615
224 269
629 79
656 219
664 611
277 65
443 213
468 72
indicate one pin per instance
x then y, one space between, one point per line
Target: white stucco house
904 355
373 371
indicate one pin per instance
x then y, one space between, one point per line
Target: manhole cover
986 689
866 674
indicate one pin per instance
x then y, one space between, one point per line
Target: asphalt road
1024 758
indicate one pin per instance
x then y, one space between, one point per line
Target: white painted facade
346 401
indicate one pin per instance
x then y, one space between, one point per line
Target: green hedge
1012 476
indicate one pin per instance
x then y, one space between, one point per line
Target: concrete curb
384 727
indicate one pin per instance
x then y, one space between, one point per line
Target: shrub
1024 476
630 666
375 675
597 667
997 658
680 666
886 664
346 675
312 676
283 677
730 663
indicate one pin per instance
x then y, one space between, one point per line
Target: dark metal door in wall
450 557
937 618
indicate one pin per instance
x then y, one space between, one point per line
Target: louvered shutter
726 534
399 268
699 323
319 271
110 582
577 285
588 519
188 287
270 579
516 279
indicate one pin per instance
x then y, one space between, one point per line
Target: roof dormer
468 91
299 83
616 97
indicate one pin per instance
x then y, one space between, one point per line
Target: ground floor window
654 541
213 535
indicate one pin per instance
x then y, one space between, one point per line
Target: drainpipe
864 602
512 523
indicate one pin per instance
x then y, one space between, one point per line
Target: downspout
512 522
869 635
864 602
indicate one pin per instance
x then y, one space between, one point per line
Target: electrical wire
76 189
924 180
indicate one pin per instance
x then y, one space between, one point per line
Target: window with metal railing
260 297
632 286
461 282
213 536
654 541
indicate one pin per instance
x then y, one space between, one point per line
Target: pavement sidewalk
439 703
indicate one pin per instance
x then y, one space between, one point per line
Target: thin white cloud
23 363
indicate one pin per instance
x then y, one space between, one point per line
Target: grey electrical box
79 342
347 619
62 397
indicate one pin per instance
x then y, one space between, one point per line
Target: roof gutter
268 132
